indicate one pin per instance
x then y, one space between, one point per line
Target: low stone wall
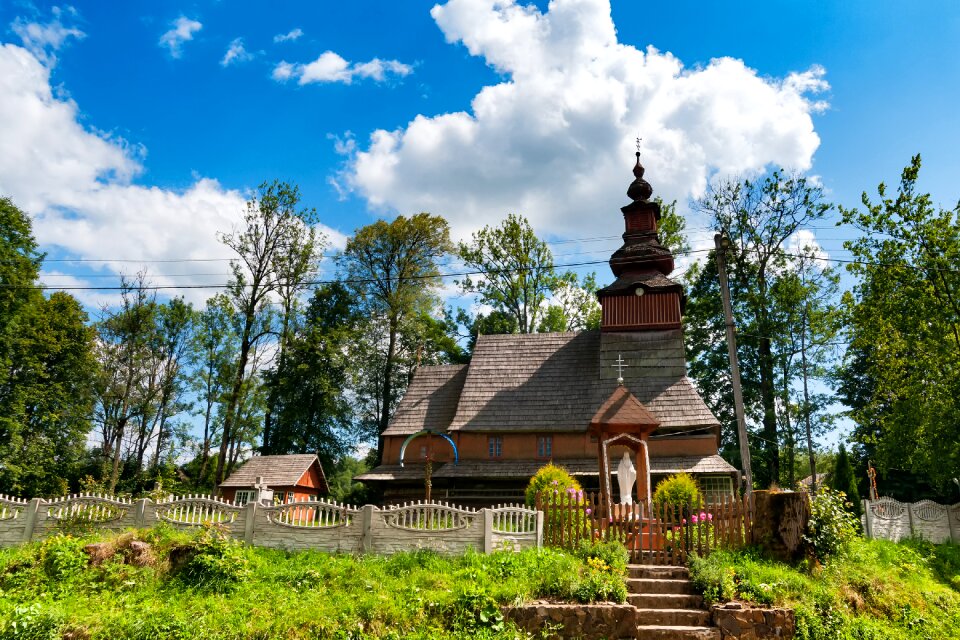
605 621
740 622
321 525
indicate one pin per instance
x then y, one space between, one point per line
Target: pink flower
589 511
684 521
693 518
703 516
710 517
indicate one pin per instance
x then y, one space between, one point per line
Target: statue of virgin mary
626 476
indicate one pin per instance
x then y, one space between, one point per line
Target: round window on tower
638 291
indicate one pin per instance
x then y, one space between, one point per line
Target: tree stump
779 523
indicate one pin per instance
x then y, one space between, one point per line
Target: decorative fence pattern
321 525
658 535
890 519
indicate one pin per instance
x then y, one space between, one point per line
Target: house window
291 497
243 496
495 446
715 488
544 446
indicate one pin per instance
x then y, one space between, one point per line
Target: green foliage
832 526
517 270
49 587
879 590
549 480
678 491
899 376
842 479
213 561
611 554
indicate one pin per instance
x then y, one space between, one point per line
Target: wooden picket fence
662 535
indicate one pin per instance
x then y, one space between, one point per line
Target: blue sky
124 142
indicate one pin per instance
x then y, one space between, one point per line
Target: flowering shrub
552 480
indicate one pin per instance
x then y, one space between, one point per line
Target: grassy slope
47 590
878 589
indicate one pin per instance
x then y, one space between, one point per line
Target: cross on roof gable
623 410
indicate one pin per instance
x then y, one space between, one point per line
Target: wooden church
576 399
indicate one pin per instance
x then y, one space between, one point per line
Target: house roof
514 469
430 401
553 382
276 471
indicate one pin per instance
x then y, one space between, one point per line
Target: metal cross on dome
620 364
638 144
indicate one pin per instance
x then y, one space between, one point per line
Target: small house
289 478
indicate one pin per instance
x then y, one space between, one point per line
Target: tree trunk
230 414
806 403
769 404
387 387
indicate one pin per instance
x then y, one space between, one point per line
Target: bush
832 526
550 478
610 554
678 491
211 561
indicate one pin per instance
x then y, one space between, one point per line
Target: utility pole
722 242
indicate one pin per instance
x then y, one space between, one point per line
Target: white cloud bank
555 139
78 186
332 67
182 30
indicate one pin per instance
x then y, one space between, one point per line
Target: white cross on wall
619 367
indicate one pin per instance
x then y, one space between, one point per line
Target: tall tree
573 304
842 478
393 268
273 225
760 217
900 376
516 270
311 411
215 348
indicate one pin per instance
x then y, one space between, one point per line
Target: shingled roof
553 382
276 471
430 401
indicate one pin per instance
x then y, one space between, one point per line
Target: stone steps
667 607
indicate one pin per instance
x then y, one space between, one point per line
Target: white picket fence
321 525
890 519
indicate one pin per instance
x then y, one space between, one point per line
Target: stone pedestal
779 521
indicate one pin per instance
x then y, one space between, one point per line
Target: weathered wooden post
779 521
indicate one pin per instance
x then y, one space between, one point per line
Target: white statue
626 476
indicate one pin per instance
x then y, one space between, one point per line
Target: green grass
203 585
875 590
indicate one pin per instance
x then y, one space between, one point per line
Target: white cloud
78 186
332 67
236 53
804 242
183 29
555 139
45 39
289 36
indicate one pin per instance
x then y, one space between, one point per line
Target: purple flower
589 511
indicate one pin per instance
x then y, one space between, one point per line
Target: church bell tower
642 297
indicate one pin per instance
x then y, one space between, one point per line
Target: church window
544 446
495 446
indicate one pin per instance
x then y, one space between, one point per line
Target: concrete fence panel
889 519
321 525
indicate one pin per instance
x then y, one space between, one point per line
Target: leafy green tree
843 478
759 217
46 369
340 480
516 270
900 374
393 269
46 397
574 305
671 229
276 242
311 411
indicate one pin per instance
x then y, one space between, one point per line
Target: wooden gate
660 534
